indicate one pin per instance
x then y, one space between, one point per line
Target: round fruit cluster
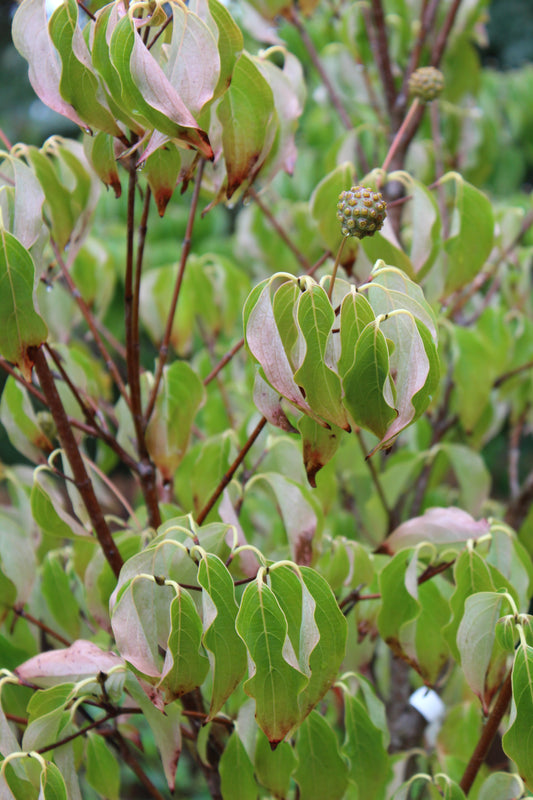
361 211
426 83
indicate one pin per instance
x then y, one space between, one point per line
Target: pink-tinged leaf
264 343
146 88
25 221
31 38
440 526
81 660
162 170
268 401
193 66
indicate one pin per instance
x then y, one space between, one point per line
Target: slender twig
89 319
80 732
113 488
210 344
336 267
512 372
489 732
143 227
163 27
20 612
5 140
185 249
373 474
282 233
381 55
146 467
223 361
444 32
399 137
70 447
6 366
231 471
87 11
427 18
132 761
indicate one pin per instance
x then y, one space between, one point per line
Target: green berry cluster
426 83
361 211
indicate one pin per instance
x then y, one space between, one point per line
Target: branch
70 447
223 361
231 471
146 467
489 732
186 247
442 38
382 57
427 18
34 621
282 233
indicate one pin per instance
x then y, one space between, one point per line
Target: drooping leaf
103 772
321 772
517 741
165 727
273 768
237 780
161 170
22 327
52 785
249 123
356 313
319 445
268 402
475 637
369 768
501 786
100 150
47 507
31 38
78 84
185 666
366 382
471 234
323 204
226 651
320 382
275 680
168 431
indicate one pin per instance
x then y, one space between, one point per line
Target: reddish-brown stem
94 428
400 134
185 249
146 468
489 732
444 32
223 361
165 24
231 471
34 621
427 18
143 227
78 733
87 11
5 140
282 233
89 319
73 455
382 57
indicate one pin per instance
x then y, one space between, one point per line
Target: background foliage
240 561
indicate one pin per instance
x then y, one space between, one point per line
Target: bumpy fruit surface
426 83
361 211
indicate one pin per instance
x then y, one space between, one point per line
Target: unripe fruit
426 83
361 211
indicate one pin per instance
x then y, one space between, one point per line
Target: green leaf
475 638
228 36
501 786
47 717
390 289
321 771
21 327
356 313
57 592
319 381
369 761
48 512
323 206
59 209
328 652
103 772
517 742
237 780
52 785
273 768
471 235
165 727
162 170
366 382
226 651
386 247
168 432
185 666
101 155
79 85
319 446
275 681
249 123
